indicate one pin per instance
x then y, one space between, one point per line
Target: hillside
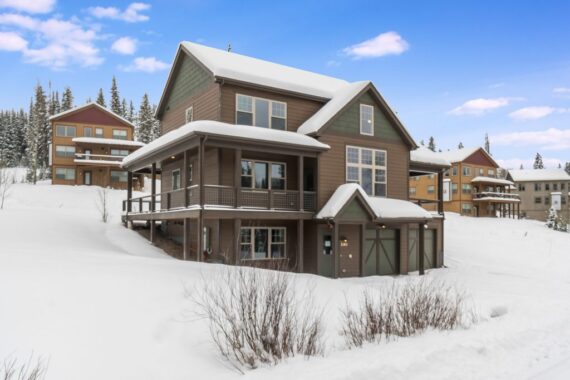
102 303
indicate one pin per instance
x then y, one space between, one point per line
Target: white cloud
497 85
515 163
131 14
549 139
124 45
561 90
534 113
30 6
12 42
389 43
57 42
147 65
481 106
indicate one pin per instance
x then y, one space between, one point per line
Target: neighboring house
88 144
472 186
264 164
541 189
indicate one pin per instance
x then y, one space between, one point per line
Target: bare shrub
30 370
6 181
404 310
256 317
103 203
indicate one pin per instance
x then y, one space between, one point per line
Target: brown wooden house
88 144
263 164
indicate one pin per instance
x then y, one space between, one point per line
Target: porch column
129 190
300 166
237 233
201 210
237 177
336 252
362 249
184 176
421 250
300 245
440 192
152 206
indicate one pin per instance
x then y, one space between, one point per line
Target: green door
380 252
370 267
325 252
413 249
429 260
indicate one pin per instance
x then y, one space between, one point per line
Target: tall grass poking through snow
404 310
258 317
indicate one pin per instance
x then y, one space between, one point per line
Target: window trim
122 174
172 180
191 111
67 170
270 113
362 105
269 177
120 150
251 244
126 137
67 148
66 127
102 135
87 129
373 167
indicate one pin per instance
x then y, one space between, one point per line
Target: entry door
325 251
87 178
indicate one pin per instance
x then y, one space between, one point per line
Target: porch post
300 245
237 233
336 252
184 176
362 245
129 190
186 240
237 177
440 192
152 206
201 210
300 166
421 248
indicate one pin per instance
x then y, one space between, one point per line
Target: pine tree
460 146
538 164
431 144
115 98
42 129
67 99
522 167
155 124
54 105
101 98
33 138
145 121
124 108
559 165
567 168
487 144
130 114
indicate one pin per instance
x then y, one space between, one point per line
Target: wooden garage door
380 252
413 248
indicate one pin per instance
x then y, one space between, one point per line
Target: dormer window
261 112
190 114
366 120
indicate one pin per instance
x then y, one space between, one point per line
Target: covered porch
494 197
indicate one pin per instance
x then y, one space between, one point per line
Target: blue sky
451 69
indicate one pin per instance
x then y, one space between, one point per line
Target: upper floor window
119 152
87 131
454 170
454 188
65 131
562 186
431 189
547 186
119 134
263 175
176 179
98 132
466 171
189 114
466 188
521 187
366 120
367 167
481 172
64 151
412 191
537 187
491 172
261 112
554 187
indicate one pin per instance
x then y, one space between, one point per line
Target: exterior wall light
343 241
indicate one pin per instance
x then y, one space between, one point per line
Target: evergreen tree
460 146
431 144
559 165
487 144
145 121
567 168
54 105
130 114
115 98
422 143
155 124
538 164
124 108
101 98
42 128
522 167
67 99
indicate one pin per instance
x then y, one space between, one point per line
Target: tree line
25 134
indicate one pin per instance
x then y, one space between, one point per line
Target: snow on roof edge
77 108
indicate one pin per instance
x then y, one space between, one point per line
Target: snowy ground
101 303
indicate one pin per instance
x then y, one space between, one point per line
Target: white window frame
66 129
371 133
119 152
172 180
269 176
466 171
97 129
66 152
465 210
66 172
270 242
120 176
431 189
90 129
125 137
189 110
270 113
373 167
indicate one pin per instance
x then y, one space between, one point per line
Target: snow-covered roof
522 175
457 155
86 161
383 208
216 128
498 181
423 155
97 140
242 68
91 104
339 100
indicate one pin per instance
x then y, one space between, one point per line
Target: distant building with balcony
473 186
88 144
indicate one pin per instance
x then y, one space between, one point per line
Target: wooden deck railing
493 194
98 157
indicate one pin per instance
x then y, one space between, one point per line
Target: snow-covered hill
101 303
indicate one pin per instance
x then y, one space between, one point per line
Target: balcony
225 197
492 196
97 159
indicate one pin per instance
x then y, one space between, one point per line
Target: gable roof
459 155
91 105
381 208
423 155
522 175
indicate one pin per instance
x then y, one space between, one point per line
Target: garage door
413 248
381 252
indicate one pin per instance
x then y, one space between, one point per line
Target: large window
119 152
367 167
119 176
537 187
491 173
64 151
466 208
261 112
176 179
87 131
412 191
263 175
189 114
454 188
98 132
466 171
431 189
366 120
258 243
65 174
65 131
522 187
466 188
119 134
454 170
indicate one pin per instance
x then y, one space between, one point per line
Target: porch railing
98 157
493 194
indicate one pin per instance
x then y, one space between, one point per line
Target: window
98 132
261 112
466 188
118 176
563 200
119 134
119 152
366 120
176 179
190 173
412 191
64 151
258 243
65 174
537 187
466 171
87 131
431 189
65 131
367 167
466 208
446 173
547 186
537 200
454 188
546 200
521 187
454 170
562 186
189 115
263 175
491 173
481 171
554 187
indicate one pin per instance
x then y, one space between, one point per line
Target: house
472 186
541 189
88 144
264 164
